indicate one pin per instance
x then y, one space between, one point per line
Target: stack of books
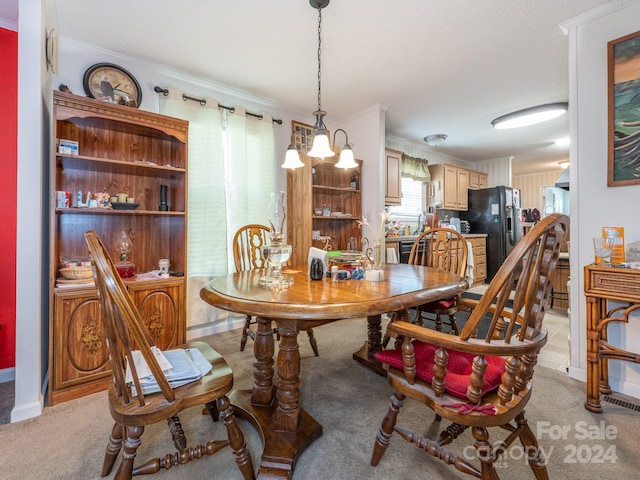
180 366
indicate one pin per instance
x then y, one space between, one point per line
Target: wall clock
111 83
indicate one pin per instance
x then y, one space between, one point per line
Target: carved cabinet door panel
161 309
79 353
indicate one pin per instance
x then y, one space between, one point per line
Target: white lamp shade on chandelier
292 158
321 147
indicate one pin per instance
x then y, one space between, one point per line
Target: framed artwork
302 136
624 107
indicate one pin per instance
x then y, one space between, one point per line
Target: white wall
593 204
366 136
31 317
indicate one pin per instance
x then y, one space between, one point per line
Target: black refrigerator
496 212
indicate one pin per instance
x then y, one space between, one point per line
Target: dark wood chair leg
236 439
312 341
131 444
245 333
485 455
212 409
530 444
453 324
177 433
113 449
392 318
383 438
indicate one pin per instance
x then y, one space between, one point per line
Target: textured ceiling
437 66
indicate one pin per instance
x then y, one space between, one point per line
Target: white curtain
231 171
251 168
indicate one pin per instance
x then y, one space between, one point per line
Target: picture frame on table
623 58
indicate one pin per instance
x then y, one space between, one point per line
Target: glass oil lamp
277 253
124 247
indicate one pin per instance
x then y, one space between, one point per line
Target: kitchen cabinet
393 188
313 186
477 180
450 185
479 249
559 289
120 149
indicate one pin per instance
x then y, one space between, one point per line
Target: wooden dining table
273 404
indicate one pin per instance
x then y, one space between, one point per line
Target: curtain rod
203 102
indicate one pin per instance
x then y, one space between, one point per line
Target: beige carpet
68 440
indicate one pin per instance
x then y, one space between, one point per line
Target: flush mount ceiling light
530 116
563 164
321 146
435 140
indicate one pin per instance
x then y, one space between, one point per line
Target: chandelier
321 146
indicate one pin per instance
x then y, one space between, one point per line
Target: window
413 201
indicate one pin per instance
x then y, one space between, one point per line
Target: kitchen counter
411 238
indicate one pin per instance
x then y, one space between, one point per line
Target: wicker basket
76 273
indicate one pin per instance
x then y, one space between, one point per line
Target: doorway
554 200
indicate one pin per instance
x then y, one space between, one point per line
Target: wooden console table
603 284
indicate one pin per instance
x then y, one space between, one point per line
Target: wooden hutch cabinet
120 150
310 188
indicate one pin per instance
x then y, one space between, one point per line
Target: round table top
404 286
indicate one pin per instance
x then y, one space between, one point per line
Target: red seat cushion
440 304
459 367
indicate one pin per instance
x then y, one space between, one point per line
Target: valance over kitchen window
415 168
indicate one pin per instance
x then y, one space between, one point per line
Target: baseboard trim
7 375
206 329
26 411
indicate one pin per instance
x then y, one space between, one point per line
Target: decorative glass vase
277 253
377 254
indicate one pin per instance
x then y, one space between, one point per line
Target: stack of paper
180 366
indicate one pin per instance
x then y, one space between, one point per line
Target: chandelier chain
319 58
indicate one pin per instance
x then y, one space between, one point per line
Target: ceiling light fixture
321 146
435 140
564 164
530 116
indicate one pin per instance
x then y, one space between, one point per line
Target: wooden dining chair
479 383
132 409
247 255
445 249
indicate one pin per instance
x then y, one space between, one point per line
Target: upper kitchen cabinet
477 180
393 190
449 187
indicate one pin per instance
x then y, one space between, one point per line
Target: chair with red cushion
445 249
479 383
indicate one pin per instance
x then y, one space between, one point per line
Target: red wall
9 162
